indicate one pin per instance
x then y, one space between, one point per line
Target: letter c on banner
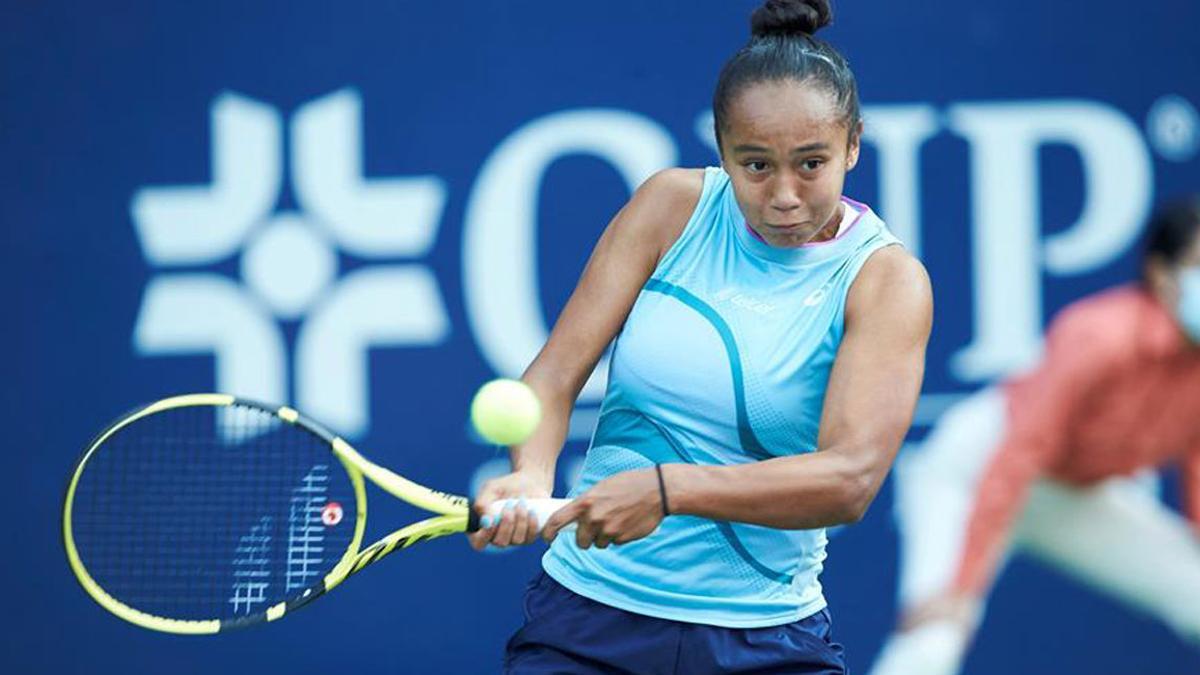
499 253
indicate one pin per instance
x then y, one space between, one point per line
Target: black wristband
662 490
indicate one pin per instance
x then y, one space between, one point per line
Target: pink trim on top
859 209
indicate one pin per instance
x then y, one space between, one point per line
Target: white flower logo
289 261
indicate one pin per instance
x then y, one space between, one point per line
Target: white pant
1115 536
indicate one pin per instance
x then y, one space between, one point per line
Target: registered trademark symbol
1173 127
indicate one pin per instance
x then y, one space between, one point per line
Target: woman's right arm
623 259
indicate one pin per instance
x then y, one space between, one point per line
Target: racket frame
454 515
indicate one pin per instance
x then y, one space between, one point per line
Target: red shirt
1117 390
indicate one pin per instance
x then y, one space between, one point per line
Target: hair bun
790 17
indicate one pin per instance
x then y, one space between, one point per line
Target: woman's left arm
873 389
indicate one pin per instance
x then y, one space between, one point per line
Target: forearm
818 489
999 498
539 454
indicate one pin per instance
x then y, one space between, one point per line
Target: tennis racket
205 512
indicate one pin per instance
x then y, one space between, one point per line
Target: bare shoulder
892 283
661 207
673 187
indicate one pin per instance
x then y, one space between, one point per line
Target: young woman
770 340
1043 462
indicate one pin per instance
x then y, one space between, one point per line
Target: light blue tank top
724 360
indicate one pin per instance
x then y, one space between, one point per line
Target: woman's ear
854 143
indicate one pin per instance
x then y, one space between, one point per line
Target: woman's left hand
616 510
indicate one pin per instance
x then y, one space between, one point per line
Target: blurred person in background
1055 462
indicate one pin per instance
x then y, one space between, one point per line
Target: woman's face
787 150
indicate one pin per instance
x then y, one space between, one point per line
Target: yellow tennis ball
505 412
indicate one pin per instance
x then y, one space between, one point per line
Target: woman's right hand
516 526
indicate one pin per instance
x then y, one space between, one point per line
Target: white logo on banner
289 260
500 280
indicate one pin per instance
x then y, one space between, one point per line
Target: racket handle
541 508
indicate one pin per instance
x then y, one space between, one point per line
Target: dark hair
782 47
1172 230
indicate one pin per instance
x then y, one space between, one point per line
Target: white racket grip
542 508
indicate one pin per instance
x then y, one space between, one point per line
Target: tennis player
770 339
1042 464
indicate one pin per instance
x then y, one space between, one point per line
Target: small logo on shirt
816 296
745 301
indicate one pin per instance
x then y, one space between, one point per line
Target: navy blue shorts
567 633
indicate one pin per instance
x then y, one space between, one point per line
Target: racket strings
210 513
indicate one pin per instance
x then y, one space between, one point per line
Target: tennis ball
505 412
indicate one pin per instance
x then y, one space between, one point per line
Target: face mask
1188 310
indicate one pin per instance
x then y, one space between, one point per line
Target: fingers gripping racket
206 512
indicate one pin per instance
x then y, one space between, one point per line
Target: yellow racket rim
195 626
134 616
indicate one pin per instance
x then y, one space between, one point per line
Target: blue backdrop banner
368 209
